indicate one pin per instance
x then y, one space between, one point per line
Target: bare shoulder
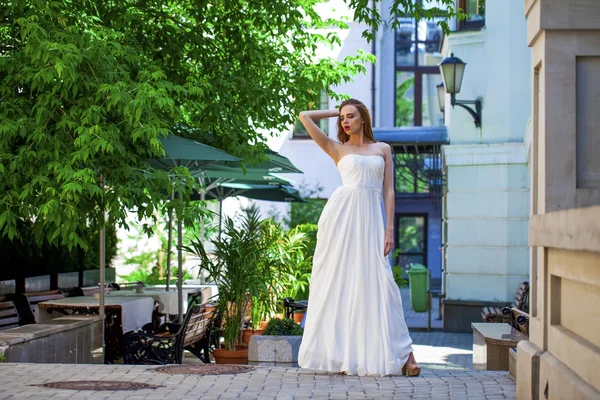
385 148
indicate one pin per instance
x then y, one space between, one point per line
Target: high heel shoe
411 368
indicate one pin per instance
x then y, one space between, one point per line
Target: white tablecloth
167 299
208 291
135 311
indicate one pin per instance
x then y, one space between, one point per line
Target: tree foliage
369 12
88 87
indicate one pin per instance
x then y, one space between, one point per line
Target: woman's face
351 120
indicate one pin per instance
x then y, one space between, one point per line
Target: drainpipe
444 238
374 52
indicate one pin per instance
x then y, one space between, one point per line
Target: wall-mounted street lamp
452 70
441 96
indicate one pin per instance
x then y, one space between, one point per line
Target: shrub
283 327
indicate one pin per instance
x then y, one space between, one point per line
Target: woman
355 323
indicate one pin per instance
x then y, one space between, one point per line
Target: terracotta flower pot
248 334
223 356
298 317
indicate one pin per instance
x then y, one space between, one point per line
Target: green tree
88 87
369 12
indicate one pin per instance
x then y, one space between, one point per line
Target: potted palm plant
259 309
288 257
292 253
239 268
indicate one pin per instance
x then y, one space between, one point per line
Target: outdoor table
167 300
123 314
208 291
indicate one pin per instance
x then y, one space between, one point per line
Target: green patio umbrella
189 153
252 190
220 185
280 193
219 173
195 156
276 163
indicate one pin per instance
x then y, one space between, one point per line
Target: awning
419 135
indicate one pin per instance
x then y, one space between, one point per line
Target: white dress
355 321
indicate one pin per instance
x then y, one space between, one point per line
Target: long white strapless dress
355 321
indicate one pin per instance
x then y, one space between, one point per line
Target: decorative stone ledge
485 154
467 37
68 340
274 350
572 229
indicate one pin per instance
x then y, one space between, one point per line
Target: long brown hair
343 137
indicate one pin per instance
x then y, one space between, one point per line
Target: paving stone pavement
262 383
443 351
446 359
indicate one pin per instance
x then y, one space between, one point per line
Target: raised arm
308 118
389 200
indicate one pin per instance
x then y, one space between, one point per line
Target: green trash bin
418 279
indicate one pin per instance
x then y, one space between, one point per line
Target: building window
411 240
299 130
417 74
475 10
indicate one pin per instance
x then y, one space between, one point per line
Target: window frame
466 25
425 251
416 69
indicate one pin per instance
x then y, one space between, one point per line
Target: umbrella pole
179 265
202 199
202 230
102 265
220 214
169 242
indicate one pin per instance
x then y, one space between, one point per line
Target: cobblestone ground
446 360
262 383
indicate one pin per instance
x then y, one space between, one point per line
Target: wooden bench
166 344
26 304
8 314
491 345
521 302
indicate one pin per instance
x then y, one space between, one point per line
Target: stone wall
561 360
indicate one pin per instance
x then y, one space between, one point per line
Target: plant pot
248 334
298 317
210 307
223 356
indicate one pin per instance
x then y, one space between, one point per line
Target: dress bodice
362 171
